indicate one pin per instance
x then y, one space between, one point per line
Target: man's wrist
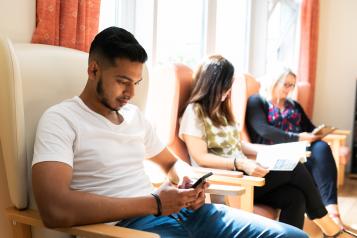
158 204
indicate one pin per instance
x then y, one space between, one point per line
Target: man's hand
201 195
253 168
309 137
200 198
174 199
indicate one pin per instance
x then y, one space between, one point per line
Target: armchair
34 77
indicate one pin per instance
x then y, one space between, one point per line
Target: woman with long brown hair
211 134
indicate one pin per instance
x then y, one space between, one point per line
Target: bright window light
179 31
282 33
231 32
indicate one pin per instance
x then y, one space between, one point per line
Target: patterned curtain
308 54
68 23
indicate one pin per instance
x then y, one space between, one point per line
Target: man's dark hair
113 43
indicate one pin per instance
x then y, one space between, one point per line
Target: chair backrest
33 78
171 88
184 82
177 79
302 94
244 86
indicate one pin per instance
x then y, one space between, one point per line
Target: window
179 31
282 41
274 35
250 33
183 31
232 32
254 35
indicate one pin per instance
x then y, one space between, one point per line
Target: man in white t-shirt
89 152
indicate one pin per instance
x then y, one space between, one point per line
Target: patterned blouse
288 119
223 140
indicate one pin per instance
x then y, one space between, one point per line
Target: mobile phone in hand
201 180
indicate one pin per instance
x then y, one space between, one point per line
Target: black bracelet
235 164
158 203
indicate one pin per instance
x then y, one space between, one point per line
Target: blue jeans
323 169
212 221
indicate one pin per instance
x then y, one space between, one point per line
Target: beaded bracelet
158 203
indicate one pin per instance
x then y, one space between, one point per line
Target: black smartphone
201 180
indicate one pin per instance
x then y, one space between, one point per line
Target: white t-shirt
192 125
107 159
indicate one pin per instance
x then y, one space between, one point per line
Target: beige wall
17 21
337 64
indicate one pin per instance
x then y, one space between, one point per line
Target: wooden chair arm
331 137
225 190
243 181
341 132
202 170
228 179
32 218
245 201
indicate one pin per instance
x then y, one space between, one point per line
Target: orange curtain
68 23
308 53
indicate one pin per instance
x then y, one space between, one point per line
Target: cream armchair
34 77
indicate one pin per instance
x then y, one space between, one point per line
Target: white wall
18 19
337 64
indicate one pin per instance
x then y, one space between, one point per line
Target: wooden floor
347 199
348 202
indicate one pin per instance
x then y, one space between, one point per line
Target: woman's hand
252 168
309 137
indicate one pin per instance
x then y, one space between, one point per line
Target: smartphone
323 130
201 180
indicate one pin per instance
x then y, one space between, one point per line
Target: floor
348 201
347 198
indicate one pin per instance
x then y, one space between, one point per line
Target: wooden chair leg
244 202
233 201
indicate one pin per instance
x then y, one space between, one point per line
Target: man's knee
291 231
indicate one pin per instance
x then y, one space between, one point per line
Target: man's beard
101 96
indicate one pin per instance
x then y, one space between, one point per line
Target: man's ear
92 70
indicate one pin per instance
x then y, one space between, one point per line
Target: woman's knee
300 172
320 147
322 155
297 197
295 201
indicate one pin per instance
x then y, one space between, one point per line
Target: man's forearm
80 208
